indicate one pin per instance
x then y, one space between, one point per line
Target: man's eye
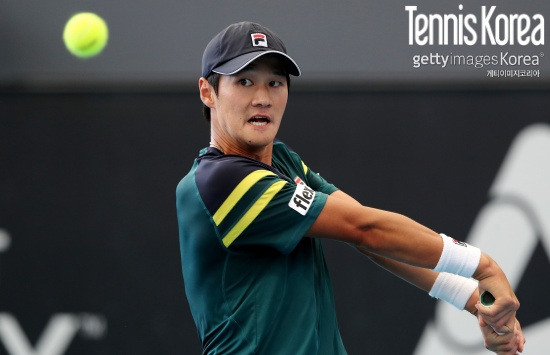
276 83
245 82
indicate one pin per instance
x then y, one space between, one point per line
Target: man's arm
420 277
378 232
405 247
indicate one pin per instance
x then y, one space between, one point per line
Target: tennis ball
85 35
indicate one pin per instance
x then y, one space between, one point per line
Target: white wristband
458 257
453 289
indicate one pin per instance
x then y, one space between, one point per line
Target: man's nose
262 97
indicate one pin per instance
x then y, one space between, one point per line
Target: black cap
241 43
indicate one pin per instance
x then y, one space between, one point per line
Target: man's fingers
507 344
520 337
501 319
502 344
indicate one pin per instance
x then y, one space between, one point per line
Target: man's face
248 109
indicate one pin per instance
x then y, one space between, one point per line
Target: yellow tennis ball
85 35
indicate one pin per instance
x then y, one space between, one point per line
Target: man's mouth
259 120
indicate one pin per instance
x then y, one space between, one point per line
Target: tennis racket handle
487 298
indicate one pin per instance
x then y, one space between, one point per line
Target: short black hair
213 79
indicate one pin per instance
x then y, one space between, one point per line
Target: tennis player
252 214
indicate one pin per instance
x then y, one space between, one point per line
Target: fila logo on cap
259 40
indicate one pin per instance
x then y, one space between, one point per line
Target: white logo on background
5 240
58 333
56 337
465 28
508 228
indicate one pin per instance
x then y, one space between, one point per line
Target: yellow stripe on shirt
304 166
252 212
237 193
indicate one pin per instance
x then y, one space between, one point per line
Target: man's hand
506 344
500 328
500 315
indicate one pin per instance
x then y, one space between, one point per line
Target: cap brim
237 64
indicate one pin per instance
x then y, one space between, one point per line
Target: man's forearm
417 276
420 277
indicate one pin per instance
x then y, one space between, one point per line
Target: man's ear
206 92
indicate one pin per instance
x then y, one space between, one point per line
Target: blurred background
91 152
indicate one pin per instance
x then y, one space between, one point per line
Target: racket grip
487 298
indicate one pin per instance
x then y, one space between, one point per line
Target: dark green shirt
254 283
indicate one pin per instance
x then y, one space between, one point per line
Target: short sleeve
253 207
278 218
290 162
317 182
